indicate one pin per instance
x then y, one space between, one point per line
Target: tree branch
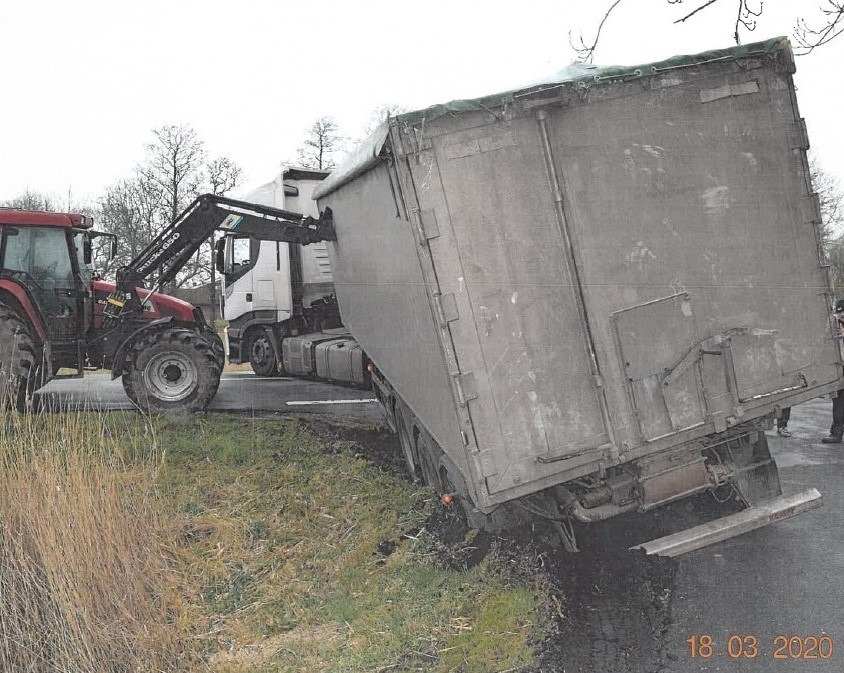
585 53
809 38
692 13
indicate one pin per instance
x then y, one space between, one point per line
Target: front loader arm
177 243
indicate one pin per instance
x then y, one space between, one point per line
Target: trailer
593 295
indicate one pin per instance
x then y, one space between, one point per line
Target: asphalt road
238 391
781 582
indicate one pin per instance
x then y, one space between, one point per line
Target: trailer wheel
261 355
429 459
406 447
172 370
18 361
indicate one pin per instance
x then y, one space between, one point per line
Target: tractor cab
46 272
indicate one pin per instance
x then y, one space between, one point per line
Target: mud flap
758 482
760 515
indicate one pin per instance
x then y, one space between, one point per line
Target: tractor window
41 253
80 238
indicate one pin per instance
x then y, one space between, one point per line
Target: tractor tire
262 356
216 345
18 361
174 370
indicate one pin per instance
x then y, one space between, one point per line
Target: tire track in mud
611 608
613 616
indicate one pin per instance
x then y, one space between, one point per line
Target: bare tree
31 200
322 143
174 167
808 37
223 175
380 114
747 12
831 197
828 189
130 209
174 173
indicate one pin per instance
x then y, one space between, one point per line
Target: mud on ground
610 607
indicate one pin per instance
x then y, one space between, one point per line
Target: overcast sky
84 82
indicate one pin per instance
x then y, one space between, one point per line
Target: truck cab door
238 259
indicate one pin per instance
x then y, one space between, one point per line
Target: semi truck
275 289
280 306
591 295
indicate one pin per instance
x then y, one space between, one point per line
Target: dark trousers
837 428
785 414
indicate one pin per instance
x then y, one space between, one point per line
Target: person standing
782 423
837 430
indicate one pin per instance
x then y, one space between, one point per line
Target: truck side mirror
220 255
87 251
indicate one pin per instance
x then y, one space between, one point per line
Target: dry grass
213 543
85 585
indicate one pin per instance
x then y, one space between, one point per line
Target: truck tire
172 370
18 361
261 355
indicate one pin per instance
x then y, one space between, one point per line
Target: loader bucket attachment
757 516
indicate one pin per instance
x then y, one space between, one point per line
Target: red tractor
56 318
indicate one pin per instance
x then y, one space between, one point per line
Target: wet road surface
784 581
238 391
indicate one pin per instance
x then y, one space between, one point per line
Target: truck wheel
172 370
18 370
262 356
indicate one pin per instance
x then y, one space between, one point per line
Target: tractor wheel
216 345
262 356
18 361
172 370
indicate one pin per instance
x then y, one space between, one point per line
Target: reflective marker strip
291 404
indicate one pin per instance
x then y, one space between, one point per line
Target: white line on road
299 403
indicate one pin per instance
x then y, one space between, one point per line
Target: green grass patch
291 551
286 537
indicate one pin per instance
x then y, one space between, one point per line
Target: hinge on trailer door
810 207
446 307
426 225
467 389
798 136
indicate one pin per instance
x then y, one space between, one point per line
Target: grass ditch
238 545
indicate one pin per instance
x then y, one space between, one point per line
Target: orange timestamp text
746 646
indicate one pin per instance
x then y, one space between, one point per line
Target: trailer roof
577 75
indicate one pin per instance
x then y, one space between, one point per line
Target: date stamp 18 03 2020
748 646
